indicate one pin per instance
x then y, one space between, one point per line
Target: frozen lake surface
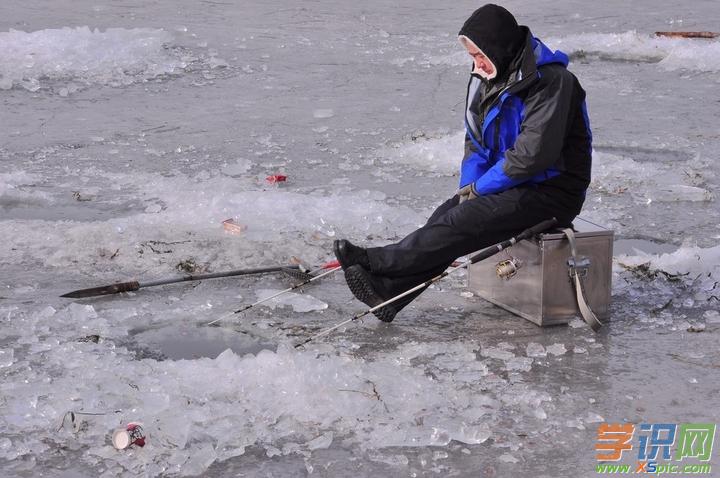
131 130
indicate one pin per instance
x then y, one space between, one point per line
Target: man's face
483 66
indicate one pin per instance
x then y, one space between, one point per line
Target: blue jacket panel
474 166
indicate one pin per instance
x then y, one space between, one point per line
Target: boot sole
358 280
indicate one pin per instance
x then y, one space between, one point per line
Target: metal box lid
582 227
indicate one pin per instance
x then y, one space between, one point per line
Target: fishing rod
333 266
296 271
482 255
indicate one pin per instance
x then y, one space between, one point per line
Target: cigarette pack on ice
233 227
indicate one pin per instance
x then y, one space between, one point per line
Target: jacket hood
532 56
495 31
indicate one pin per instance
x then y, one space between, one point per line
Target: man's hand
466 193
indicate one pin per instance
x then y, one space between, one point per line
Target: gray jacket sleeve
542 132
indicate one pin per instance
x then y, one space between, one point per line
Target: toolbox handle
574 264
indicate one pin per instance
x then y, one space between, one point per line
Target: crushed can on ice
129 435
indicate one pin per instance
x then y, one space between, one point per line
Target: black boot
349 254
360 282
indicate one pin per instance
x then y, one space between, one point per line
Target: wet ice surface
124 166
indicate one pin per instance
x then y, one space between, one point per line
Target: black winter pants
455 230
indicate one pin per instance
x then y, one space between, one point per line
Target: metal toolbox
532 278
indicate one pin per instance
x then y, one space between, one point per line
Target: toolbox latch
581 265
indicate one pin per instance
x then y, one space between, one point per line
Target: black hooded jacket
529 125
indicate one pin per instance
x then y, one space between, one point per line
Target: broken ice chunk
519 363
6 357
496 353
271 451
712 316
323 113
202 455
241 166
82 313
48 311
321 442
681 192
439 436
393 460
575 424
5 445
556 349
535 350
216 62
298 302
594 418
474 435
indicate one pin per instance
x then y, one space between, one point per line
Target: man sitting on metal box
527 158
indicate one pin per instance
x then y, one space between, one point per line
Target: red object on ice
276 178
688 34
331 265
131 434
137 435
233 227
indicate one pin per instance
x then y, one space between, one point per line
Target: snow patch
670 53
116 56
173 222
18 188
441 154
643 182
695 266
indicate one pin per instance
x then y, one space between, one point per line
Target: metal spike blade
103 290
